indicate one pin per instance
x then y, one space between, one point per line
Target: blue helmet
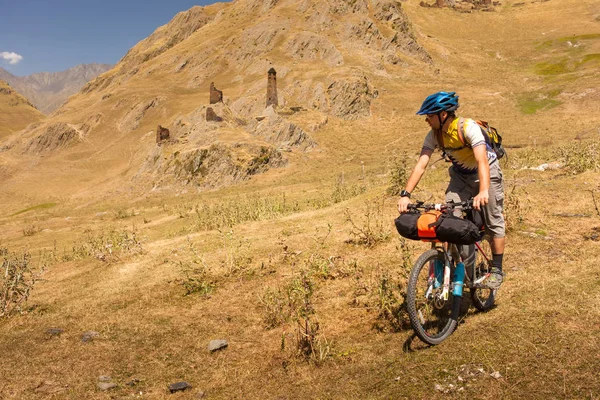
438 102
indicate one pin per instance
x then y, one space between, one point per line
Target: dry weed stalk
16 281
106 246
310 343
239 210
198 277
515 208
595 202
372 228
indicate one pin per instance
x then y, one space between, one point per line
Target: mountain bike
436 281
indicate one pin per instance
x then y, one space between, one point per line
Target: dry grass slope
15 111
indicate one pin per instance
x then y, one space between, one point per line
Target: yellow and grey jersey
461 155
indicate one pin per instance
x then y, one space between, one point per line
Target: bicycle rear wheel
430 315
482 297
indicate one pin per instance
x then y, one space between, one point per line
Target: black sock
497 260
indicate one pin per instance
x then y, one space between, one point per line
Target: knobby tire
432 323
482 298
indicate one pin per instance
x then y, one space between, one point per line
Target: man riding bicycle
475 171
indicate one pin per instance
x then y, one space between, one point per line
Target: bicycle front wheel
430 314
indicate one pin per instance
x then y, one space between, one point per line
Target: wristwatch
404 193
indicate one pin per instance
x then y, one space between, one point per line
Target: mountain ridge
164 80
16 112
355 67
48 90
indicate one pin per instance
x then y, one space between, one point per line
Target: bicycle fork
457 282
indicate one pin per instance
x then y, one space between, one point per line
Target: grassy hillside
141 274
15 111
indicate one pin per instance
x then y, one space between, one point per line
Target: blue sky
55 35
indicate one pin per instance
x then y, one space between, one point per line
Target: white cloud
12 58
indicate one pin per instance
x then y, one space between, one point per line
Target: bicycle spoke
430 314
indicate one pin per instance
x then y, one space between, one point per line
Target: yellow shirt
461 155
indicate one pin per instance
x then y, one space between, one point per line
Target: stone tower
272 88
162 134
216 96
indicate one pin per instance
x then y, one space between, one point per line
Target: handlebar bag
406 224
457 230
418 226
434 226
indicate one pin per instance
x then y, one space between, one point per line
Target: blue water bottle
438 268
459 278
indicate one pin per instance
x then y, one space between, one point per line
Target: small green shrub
123 214
237 254
30 230
197 277
389 299
398 175
283 303
580 156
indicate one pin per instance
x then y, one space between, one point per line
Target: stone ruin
272 88
212 116
460 4
216 96
162 134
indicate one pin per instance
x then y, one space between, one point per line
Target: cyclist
475 171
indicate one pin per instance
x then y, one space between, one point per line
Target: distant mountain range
47 91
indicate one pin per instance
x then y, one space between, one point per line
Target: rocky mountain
325 56
16 112
227 92
47 91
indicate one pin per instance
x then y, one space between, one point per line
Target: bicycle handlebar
421 205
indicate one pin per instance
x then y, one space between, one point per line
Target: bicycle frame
442 275
450 253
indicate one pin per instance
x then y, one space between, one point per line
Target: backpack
491 135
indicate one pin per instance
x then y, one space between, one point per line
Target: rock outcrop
182 26
132 119
55 136
209 167
280 132
350 99
463 5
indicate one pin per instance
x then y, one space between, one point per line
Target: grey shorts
464 186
